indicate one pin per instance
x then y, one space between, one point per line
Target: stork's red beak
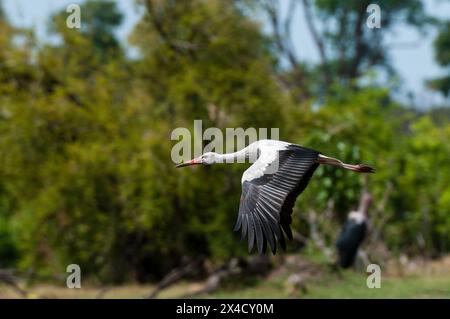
194 161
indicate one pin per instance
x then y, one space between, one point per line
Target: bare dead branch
7 277
379 215
318 41
283 41
232 269
359 44
316 236
174 276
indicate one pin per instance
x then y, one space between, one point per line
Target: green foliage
99 21
425 211
442 52
356 127
8 249
350 52
88 163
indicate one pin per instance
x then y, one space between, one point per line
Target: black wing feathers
286 211
267 202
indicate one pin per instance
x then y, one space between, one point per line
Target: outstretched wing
268 195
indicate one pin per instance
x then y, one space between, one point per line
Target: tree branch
178 46
174 276
282 35
318 41
359 45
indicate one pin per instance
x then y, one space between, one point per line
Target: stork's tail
360 168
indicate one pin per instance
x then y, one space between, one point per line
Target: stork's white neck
269 148
236 157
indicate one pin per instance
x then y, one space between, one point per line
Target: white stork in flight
268 194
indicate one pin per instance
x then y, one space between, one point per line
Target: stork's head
206 159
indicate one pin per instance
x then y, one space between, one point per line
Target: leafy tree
423 182
88 162
16 78
204 60
99 22
75 113
347 48
442 49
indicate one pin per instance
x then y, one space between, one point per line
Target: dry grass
400 279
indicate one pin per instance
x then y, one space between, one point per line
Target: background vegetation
86 175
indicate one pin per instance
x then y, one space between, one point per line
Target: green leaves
442 53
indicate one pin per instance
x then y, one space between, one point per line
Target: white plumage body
268 154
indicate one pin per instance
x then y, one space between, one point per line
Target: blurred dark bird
280 172
353 233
